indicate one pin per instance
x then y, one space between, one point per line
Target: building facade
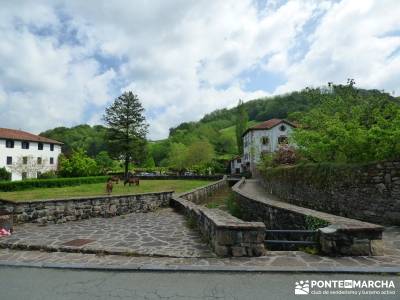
264 138
26 155
236 166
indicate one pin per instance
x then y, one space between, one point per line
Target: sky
63 62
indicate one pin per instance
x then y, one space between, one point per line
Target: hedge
10 186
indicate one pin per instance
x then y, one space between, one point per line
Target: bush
48 183
77 165
48 175
4 174
233 207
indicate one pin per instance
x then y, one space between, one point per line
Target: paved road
43 284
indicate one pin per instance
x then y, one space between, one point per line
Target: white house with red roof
27 155
264 138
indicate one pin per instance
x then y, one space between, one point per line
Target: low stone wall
199 195
369 192
342 236
227 235
63 210
172 177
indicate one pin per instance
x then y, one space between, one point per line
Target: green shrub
4 174
313 223
49 183
233 207
48 175
78 164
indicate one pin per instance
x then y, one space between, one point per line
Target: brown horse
115 179
132 180
109 186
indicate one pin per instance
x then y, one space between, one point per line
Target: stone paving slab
274 261
160 233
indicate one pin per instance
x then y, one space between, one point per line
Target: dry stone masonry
227 235
61 211
369 192
341 236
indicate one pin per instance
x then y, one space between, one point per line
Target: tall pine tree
241 125
127 129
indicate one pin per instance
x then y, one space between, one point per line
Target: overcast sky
62 62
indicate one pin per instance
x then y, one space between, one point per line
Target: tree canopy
127 129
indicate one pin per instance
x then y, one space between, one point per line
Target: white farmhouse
264 138
236 165
26 155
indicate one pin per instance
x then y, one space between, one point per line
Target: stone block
221 251
377 247
238 251
360 248
256 250
226 237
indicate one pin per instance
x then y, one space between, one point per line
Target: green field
97 189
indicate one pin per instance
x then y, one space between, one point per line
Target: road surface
42 284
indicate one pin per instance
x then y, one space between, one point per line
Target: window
24 175
282 128
40 146
51 147
282 139
25 145
9 160
39 160
9 144
25 160
38 174
238 160
265 140
51 160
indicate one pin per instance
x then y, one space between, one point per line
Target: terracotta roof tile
269 124
20 135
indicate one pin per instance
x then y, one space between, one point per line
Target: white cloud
353 40
62 62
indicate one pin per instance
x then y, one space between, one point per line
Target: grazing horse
109 186
114 179
132 180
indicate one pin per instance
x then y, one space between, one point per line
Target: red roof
20 135
269 124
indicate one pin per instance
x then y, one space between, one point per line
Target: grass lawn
97 189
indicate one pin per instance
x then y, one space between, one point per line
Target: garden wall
171 177
369 192
63 210
199 195
227 235
338 235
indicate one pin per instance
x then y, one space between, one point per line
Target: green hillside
215 131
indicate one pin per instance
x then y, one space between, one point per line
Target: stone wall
63 210
199 195
369 192
227 235
342 236
172 177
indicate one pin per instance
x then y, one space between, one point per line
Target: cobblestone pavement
276 260
160 233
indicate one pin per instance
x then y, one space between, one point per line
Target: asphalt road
57 284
